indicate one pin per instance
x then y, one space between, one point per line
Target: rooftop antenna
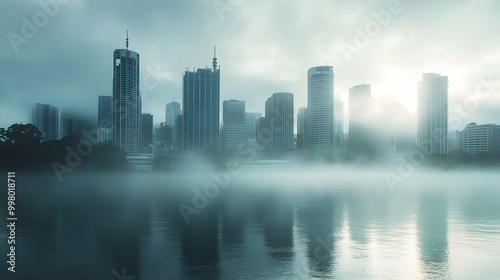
127 40
214 62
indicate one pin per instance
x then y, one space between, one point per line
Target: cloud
263 47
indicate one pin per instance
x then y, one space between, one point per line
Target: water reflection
432 223
90 227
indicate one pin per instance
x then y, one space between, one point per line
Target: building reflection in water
432 224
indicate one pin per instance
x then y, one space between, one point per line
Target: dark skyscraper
126 100
233 129
68 125
201 107
279 121
105 111
146 133
47 119
320 108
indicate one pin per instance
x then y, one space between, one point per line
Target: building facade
280 123
432 114
201 109
126 101
233 128
47 119
320 108
480 139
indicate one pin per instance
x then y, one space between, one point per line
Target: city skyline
392 62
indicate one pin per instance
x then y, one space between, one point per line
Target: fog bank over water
262 223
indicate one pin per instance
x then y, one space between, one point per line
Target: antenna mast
127 40
214 62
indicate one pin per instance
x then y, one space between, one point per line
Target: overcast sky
263 47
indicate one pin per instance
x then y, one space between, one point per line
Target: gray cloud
263 47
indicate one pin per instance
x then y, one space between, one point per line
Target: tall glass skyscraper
279 121
320 108
126 100
432 107
201 109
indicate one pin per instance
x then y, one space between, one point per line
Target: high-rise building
172 110
320 108
126 100
47 119
201 108
146 133
338 117
233 128
251 120
105 111
68 125
105 119
302 123
432 121
279 122
362 129
480 139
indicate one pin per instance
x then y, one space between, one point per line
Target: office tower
432 107
260 133
126 100
233 128
146 133
172 109
68 125
179 133
164 137
105 111
320 108
105 119
279 123
480 139
47 119
251 120
302 128
338 117
361 122
201 106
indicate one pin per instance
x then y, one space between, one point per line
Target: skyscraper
432 121
279 121
68 125
105 111
126 100
146 133
338 117
105 119
233 128
172 109
320 108
251 120
302 123
361 127
201 108
47 119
